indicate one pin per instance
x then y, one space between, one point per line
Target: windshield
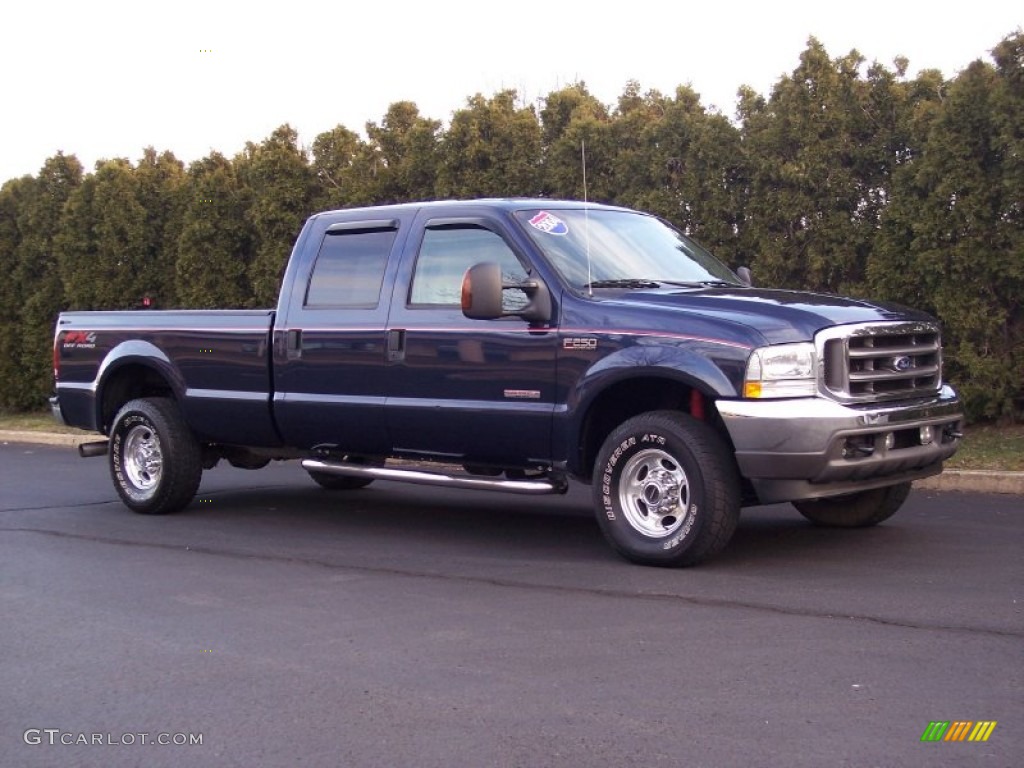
627 250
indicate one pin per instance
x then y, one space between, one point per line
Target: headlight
783 370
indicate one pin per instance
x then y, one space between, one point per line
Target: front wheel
155 460
666 490
855 510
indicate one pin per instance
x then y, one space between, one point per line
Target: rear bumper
808 448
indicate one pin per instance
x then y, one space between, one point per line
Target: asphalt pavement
285 625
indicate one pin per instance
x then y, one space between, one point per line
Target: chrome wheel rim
143 460
654 493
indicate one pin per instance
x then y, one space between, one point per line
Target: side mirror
482 289
745 276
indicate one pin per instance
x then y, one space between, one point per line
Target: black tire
855 510
156 462
341 482
655 466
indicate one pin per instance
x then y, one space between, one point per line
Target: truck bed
220 373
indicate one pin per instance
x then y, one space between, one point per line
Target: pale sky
105 78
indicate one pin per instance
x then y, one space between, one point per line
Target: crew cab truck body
527 341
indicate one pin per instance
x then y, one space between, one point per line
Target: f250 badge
579 342
78 340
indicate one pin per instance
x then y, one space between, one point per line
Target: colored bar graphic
959 730
982 730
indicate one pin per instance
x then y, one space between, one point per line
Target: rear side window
349 268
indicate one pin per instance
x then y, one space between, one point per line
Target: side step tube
98 448
529 487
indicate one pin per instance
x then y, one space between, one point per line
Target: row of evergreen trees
847 178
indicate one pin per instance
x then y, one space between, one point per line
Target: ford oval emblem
902 363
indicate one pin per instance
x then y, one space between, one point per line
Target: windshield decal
549 224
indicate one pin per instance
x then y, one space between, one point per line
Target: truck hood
780 316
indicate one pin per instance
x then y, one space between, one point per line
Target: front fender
664 360
715 377
667 361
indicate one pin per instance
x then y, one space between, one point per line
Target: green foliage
847 177
75 248
952 240
36 288
278 173
684 163
821 151
491 149
214 246
120 233
571 120
162 193
405 150
344 169
15 196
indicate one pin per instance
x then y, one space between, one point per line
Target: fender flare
136 352
664 361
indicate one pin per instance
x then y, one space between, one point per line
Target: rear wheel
155 460
855 510
339 482
666 490
334 482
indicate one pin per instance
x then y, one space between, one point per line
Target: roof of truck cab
498 203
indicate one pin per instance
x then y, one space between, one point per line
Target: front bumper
807 448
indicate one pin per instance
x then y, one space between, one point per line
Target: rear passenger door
475 390
330 348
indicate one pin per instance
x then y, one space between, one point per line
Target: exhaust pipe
98 448
546 485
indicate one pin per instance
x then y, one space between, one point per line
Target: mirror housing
745 276
482 290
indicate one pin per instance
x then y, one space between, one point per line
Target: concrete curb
964 480
974 481
45 438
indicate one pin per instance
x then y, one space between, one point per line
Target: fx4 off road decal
78 339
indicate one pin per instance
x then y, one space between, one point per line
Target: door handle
396 345
293 344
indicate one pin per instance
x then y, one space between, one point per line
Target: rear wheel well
129 383
626 399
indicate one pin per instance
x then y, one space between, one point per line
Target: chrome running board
537 487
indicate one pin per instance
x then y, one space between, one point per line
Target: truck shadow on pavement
388 519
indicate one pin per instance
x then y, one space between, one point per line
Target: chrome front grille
880 361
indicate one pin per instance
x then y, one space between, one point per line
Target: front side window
626 249
446 254
349 269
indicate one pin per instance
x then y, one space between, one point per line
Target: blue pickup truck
514 345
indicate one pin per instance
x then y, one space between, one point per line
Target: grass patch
36 422
990 447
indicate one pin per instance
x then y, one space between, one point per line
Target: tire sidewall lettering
680 536
609 475
117 445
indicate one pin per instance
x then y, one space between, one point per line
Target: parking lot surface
402 626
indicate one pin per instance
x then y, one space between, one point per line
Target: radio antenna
586 216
